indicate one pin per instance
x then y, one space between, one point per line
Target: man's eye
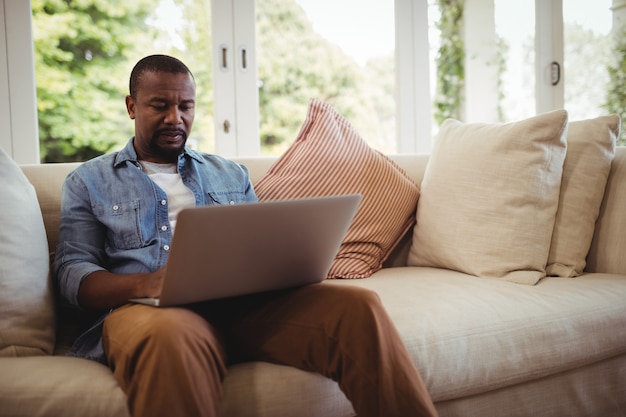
159 108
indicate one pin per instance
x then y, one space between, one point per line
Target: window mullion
549 54
413 101
223 78
235 78
246 80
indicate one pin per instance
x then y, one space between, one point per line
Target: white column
549 55
19 133
246 79
235 82
481 61
619 14
413 101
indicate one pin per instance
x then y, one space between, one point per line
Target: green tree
296 64
80 49
84 51
450 61
380 90
196 52
586 58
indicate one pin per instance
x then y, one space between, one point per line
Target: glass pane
586 27
515 28
434 41
84 52
323 49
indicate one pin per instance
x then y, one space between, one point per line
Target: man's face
163 110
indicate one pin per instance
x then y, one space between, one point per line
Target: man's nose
173 116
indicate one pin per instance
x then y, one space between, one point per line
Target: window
82 71
252 84
314 49
515 30
587 49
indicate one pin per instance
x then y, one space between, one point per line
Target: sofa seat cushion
489 333
52 386
270 390
55 386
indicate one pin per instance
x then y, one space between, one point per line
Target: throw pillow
489 198
590 152
329 157
27 318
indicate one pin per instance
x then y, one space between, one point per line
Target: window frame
235 85
549 55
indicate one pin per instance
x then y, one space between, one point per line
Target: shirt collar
128 153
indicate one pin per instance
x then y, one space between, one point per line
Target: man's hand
103 290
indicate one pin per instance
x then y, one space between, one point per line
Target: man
117 220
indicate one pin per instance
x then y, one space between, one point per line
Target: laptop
226 251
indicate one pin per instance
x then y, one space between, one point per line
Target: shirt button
164 228
163 202
166 247
232 203
116 207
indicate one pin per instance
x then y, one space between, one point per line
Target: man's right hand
103 290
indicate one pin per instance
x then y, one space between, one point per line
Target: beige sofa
485 347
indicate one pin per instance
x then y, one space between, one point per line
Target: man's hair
155 63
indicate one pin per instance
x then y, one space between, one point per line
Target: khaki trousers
171 361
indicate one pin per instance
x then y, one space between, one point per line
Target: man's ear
130 106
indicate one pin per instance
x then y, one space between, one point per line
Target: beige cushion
590 151
262 389
329 157
27 319
54 386
489 198
469 336
607 248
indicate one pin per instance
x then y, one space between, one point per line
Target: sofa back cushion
590 152
48 180
608 247
27 315
489 198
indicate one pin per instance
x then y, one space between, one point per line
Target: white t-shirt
170 181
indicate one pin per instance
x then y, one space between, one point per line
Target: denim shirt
115 218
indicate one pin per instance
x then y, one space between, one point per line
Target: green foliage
85 49
450 61
616 93
79 48
196 52
586 58
502 51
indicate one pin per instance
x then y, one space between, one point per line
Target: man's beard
166 152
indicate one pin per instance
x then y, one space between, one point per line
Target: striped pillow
329 158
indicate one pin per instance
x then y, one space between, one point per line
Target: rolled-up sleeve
80 250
